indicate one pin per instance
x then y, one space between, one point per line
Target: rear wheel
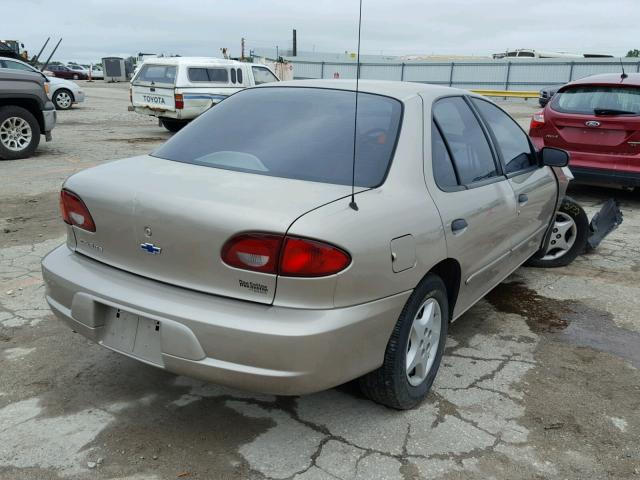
568 237
173 125
414 351
19 133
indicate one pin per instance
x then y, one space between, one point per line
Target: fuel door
403 253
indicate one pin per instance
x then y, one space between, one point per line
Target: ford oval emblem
592 124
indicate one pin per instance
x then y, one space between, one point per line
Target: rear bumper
606 177
244 345
176 114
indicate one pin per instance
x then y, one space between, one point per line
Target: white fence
480 74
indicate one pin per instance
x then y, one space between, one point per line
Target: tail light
75 212
537 120
253 251
179 101
310 258
287 256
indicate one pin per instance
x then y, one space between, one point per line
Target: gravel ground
540 379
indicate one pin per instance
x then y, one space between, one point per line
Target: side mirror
553 157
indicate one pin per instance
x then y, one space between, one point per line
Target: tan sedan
235 252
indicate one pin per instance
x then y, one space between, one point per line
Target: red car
65 72
597 120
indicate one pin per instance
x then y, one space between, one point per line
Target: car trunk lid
591 119
615 135
168 220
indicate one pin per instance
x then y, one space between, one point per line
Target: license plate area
133 335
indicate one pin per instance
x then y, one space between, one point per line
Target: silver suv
237 253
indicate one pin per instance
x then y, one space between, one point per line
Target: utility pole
295 43
242 49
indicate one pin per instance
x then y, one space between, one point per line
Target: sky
92 29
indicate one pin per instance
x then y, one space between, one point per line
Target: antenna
624 75
353 203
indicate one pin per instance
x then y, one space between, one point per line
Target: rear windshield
165 74
599 100
289 132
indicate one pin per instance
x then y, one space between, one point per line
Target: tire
392 384
19 133
569 237
173 125
75 77
63 99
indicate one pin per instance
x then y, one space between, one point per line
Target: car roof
200 61
632 79
399 90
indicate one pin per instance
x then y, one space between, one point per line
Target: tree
633 53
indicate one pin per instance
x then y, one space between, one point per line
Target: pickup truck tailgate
156 98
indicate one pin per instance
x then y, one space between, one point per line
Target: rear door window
443 172
157 74
512 142
466 140
598 100
210 75
298 133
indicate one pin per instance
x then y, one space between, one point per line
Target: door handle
523 198
459 225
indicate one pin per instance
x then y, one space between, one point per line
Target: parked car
597 119
97 73
65 72
546 94
178 89
63 93
173 258
78 68
25 113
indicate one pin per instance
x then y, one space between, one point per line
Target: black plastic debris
603 223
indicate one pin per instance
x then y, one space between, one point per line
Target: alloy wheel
422 344
563 236
15 134
63 100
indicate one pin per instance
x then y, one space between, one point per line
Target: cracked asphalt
539 380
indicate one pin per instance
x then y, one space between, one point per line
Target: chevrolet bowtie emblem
150 248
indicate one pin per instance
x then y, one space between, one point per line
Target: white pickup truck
178 89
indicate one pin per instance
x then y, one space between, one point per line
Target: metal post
402 73
506 80
571 71
295 43
638 67
34 61
451 74
322 70
44 65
